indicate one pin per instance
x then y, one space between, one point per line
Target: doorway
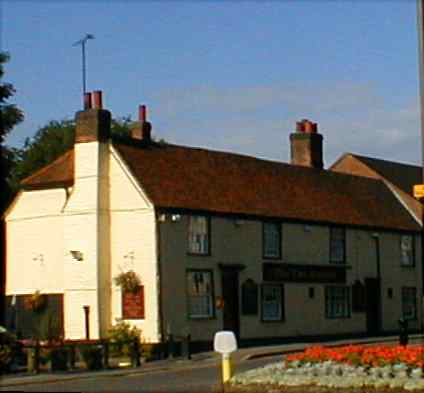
230 295
372 295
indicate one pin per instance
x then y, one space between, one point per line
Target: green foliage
10 114
128 281
121 337
92 356
8 350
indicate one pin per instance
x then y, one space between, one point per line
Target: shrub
128 281
92 356
8 349
59 359
121 336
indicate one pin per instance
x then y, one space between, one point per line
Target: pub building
270 250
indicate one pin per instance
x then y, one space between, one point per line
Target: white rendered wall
82 233
34 247
133 245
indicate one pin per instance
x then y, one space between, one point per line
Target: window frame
415 316
279 230
331 240
208 228
412 263
347 300
211 295
282 303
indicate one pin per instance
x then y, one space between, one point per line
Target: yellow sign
419 191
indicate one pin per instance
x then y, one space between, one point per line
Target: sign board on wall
303 273
133 304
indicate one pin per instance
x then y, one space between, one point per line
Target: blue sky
232 76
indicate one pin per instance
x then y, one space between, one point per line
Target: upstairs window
271 240
407 250
337 245
198 235
200 294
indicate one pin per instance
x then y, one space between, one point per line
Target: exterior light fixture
77 255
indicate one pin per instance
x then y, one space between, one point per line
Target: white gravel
333 375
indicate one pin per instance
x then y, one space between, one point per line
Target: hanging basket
36 302
128 281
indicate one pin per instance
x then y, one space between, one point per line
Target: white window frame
337 302
271 239
200 294
272 302
409 303
407 254
198 235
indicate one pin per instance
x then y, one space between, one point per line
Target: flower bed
352 366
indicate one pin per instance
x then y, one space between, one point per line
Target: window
407 250
272 302
198 235
337 245
409 303
271 240
200 294
337 302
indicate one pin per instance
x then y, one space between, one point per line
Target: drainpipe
420 28
376 238
159 278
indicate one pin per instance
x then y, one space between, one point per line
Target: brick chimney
141 129
93 123
306 145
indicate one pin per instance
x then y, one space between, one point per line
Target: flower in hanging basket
128 281
36 302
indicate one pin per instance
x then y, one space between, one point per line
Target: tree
10 115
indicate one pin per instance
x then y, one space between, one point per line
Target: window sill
195 254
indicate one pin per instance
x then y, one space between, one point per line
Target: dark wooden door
230 295
372 295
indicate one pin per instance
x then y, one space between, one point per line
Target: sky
226 75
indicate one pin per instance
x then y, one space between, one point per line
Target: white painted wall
34 247
133 244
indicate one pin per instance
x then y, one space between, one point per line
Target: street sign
419 191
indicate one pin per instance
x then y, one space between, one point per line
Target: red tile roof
198 179
58 173
402 175
179 177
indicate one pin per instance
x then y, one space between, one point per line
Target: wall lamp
77 255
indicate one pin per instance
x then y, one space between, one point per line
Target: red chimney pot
97 98
142 113
87 101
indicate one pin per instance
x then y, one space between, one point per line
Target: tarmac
197 360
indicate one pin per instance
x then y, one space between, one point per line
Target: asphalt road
203 377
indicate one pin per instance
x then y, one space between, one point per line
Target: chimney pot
306 145
142 113
97 98
87 101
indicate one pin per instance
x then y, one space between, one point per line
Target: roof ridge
359 156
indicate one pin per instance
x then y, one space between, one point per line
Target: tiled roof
400 174
179 177
58 173
198 179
